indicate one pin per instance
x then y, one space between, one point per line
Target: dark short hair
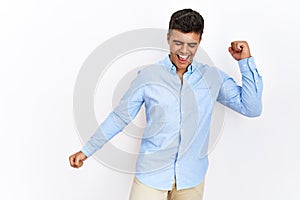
186 21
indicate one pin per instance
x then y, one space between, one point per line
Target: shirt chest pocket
206 92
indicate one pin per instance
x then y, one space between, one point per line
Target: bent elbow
253 115
254 112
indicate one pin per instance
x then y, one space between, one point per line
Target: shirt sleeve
245 99
120 117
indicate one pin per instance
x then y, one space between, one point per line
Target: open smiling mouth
182 58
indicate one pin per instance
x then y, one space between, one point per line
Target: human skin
183 47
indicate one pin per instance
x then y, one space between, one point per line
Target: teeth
183 57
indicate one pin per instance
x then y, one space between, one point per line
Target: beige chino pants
140 191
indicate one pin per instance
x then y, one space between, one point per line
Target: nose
184 49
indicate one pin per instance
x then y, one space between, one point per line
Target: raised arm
245 99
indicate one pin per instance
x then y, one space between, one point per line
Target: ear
168 37
200 39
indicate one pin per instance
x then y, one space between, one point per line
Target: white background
42 47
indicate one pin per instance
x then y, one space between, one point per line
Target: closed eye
176 42
192 45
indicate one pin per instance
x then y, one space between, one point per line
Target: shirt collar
172 68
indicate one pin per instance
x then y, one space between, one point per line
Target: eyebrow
177 41
193 43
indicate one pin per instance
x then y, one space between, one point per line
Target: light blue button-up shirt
178 116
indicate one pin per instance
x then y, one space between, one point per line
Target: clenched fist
239 50
76 160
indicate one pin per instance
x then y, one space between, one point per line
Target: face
183 47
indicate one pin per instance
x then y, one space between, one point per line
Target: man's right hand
76 160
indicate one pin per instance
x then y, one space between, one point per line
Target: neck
180 74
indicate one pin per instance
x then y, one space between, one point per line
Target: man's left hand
239 50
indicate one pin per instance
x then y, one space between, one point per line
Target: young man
179 95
